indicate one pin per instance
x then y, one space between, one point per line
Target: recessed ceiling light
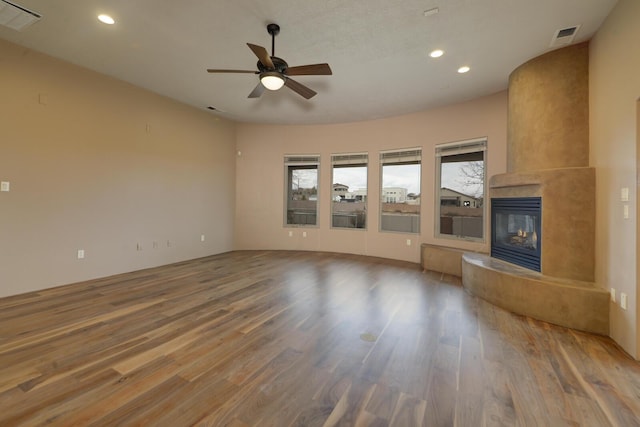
463 70
436 53
106 19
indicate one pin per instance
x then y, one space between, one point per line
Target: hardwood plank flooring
273 338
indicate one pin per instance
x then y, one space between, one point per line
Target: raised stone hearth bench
441 259
571 303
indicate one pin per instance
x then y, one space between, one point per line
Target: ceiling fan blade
257 91
211 70
300 89
262 55
309 70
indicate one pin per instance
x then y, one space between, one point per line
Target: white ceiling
377 49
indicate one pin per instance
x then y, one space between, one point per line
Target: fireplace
547 160
516 232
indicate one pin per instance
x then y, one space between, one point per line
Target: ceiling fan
275 72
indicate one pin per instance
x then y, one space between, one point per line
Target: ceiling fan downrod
274 30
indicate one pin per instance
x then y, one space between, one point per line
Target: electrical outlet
304 234
5 186
408 242
625 212
80 253
202 237
290 233
623 300
613 295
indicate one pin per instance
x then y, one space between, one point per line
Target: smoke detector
16 17
564 36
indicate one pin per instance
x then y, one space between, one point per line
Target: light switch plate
624 194
5 186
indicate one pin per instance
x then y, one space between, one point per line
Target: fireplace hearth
516 230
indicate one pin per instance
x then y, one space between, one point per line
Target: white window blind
411 156
302 160
461 147
352 159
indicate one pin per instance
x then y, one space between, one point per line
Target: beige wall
99 165
260 175
613 91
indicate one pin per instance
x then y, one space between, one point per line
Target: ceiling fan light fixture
272 80
106 19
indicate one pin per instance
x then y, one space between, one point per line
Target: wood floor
272 338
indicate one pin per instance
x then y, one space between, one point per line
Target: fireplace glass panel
516 232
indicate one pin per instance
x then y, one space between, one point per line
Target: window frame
402 156
346 160
467 146
301 161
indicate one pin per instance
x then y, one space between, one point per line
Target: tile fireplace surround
548 157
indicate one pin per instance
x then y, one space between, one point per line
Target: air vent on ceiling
564 36
16 17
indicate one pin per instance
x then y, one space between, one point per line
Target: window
461 184
400 192
302 190
349 191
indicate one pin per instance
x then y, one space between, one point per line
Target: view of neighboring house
400 209
449 197
349 208
340 192
460 214
358 195
394 195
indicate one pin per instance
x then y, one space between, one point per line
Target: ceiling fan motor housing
279 65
